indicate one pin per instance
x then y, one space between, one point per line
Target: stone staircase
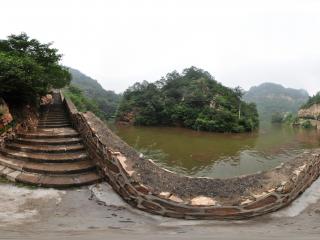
51 156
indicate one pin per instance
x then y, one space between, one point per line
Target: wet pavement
96 212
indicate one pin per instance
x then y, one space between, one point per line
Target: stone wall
6 132
145 186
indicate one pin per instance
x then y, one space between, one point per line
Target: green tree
239 93
82 103
192 99
29 68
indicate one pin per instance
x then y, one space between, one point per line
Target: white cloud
122 41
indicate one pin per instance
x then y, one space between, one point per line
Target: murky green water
219 155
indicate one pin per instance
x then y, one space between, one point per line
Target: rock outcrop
46 100
312 112
5 115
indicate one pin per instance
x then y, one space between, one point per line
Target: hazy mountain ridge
274 98
107 100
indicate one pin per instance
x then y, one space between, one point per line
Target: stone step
54 181
45 148
48 141
50 133
45 157
55 111
54 115
47 168
54 119
53 125
64 121
59 181
51 156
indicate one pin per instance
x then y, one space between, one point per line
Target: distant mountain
107 101
274 98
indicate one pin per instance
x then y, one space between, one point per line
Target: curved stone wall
150 188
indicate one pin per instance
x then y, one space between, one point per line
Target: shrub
29 69
82 103
306 124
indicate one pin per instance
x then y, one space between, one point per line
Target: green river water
216 154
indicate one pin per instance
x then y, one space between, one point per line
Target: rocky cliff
5 115
312 112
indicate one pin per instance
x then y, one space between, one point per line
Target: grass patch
3 180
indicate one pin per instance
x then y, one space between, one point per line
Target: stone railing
146 186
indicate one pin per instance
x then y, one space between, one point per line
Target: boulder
46 100
5 115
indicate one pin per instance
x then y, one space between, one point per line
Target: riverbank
100 214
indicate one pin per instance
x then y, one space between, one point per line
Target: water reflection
219 155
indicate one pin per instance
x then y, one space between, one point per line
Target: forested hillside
311 101
106 101
191 99
274 99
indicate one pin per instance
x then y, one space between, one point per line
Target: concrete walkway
98 213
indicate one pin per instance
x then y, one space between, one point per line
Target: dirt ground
96 212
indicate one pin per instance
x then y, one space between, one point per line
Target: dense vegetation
192 99
287 118
274 102
312 100
106 101
29 69
82 103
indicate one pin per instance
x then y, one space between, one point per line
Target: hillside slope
107 101
274 98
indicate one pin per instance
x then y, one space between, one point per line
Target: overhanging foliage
29 69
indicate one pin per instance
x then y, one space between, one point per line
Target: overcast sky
119 42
